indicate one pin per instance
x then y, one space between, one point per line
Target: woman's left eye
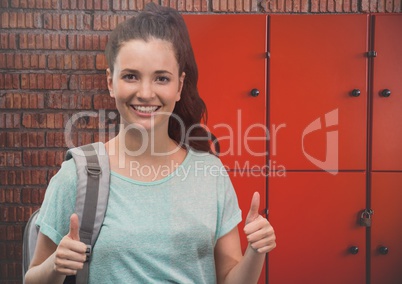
162 79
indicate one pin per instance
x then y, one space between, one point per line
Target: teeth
146 109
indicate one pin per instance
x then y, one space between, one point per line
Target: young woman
172 213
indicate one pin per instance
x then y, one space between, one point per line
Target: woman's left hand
260 234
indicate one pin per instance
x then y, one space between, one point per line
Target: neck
143 144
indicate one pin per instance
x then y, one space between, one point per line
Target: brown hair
167 24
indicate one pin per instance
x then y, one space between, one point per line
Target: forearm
248 269
44 273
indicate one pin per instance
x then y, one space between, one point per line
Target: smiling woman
169 27
146 84
160 226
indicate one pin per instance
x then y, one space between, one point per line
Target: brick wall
52 66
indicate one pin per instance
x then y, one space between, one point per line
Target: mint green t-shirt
154 232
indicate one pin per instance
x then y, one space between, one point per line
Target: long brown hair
167 24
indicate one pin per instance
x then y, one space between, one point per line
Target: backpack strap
93 173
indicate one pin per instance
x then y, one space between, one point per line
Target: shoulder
66 177
68 171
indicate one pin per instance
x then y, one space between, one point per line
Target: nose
145 91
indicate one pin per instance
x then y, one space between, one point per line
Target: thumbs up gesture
70 253
259 232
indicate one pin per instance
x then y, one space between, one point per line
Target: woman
170 218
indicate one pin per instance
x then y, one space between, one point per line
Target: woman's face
146 83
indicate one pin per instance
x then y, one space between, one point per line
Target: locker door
230 51
315 219
316 61
245 184
387 114
386 247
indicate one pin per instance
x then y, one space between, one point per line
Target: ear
181 83
109 77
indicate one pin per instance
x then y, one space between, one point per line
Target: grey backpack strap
93 172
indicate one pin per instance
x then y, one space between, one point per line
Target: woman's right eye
130 77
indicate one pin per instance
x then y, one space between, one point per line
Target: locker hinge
267 54
372 53
265 211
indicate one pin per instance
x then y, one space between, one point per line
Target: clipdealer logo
330 164
234 134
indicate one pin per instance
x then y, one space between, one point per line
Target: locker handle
354 250
385 93
383 250
255 92
355 93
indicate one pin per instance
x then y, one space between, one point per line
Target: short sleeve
59 203
228 210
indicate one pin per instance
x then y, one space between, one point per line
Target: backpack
93 173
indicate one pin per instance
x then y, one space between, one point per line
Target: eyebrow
136 71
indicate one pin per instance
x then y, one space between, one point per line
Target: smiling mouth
145 109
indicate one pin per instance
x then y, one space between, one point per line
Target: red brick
50 136
314 5
73 83
97 22
4 20
70 21
97 5
42 158
3 161
65 4
72 42
105 5
116 5
354 6
3 248
73 4
8 101
9 81
29 20
58 123
34 61
27 161
365 5
35 196
21 20
3 61
50 120
9 61
101 63
33 83
102 42
51 61
12 20
47 21
389 6
89 5
87 22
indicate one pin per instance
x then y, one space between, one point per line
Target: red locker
386 232
231 56
316 62
387 106
315 219
386 248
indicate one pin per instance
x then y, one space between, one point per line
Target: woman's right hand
70 253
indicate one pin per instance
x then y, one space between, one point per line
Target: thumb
255 205
74 228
